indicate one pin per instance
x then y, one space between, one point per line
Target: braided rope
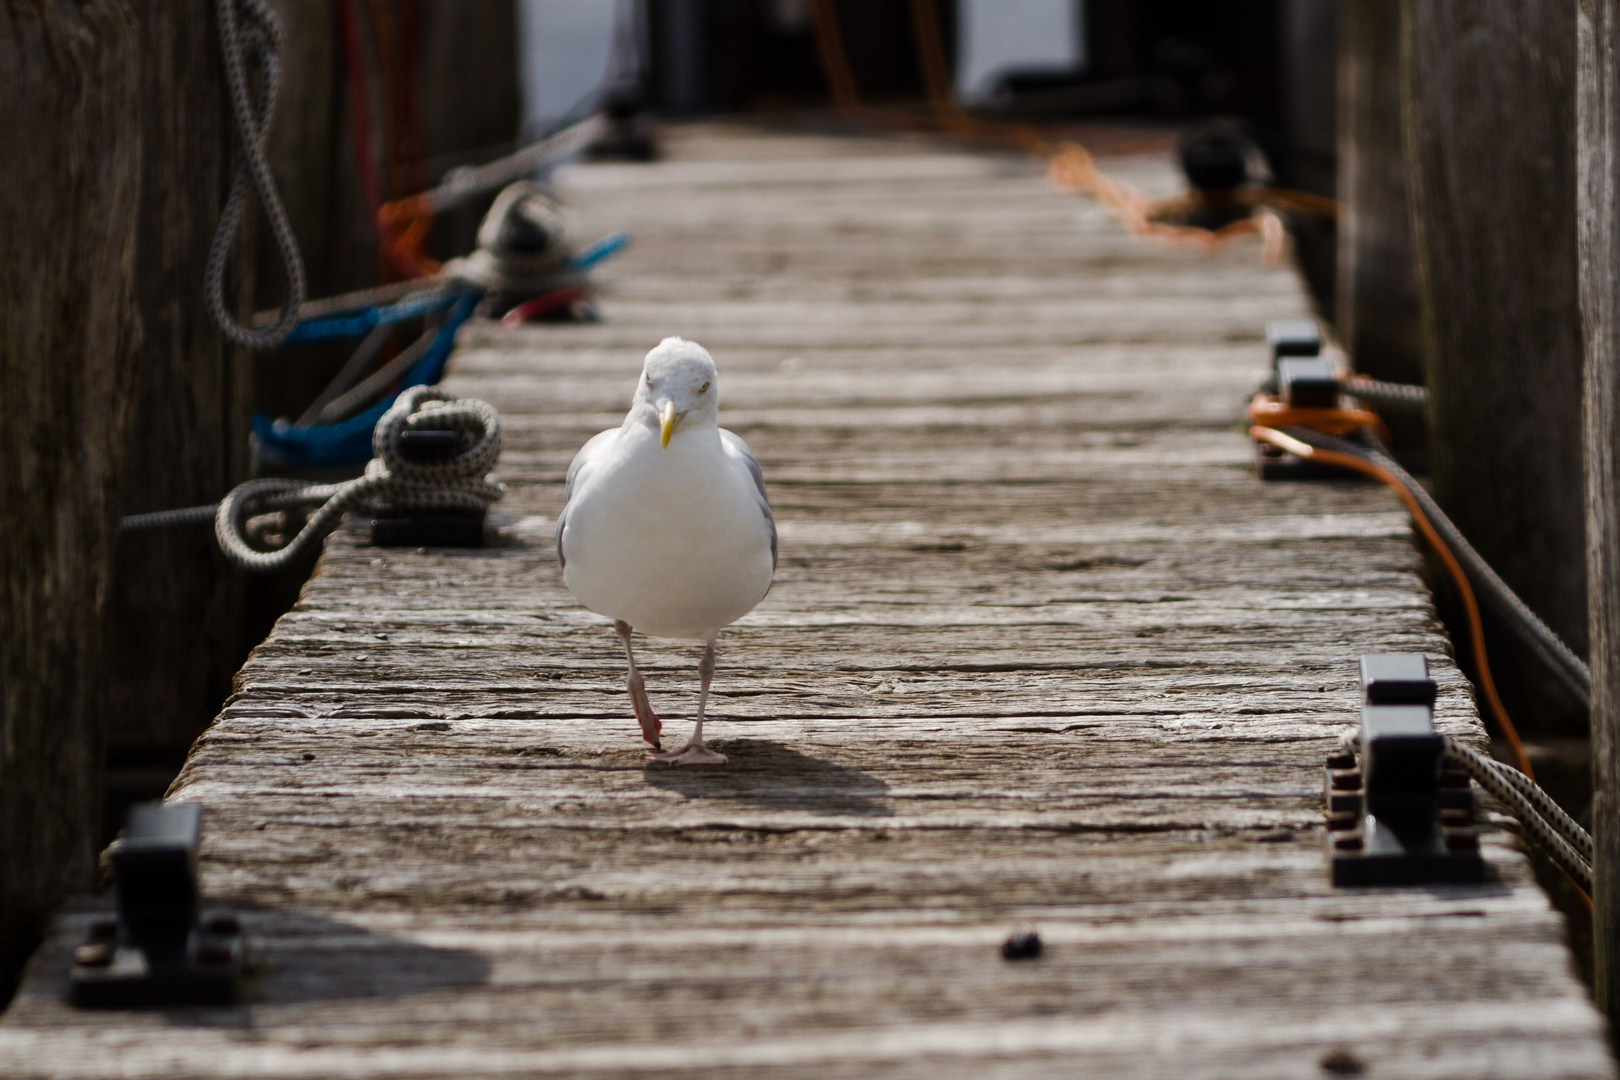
261 33
1543 820
1395 395
1552 830
164 519
458 483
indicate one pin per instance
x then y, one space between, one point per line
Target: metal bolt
1341 822
1346 780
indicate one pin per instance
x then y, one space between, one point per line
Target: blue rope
349 441
605 248
362 323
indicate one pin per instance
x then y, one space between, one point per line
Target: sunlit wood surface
1041 652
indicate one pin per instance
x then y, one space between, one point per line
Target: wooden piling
71 144
1377 312
1599 204
175 619
1490 148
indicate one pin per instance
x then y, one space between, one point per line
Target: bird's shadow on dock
769 773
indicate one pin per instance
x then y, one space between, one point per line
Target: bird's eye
704 389
649 380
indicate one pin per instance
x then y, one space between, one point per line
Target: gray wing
586 457
739 449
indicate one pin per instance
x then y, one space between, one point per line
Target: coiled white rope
260 32
457 483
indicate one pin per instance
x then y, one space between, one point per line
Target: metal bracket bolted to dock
1293 337
158 951
1395 815
429 528
1302 378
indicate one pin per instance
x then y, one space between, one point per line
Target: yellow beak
671 418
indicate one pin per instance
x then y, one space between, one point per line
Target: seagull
665 527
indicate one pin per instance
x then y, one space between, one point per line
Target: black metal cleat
1395 816
412 527
420 528
1307 382
1396 679
1293 337
158 951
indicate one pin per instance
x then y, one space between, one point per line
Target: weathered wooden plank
1040 651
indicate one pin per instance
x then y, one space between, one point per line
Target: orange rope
1273 412
1476 628
1071 165
931 52
402 226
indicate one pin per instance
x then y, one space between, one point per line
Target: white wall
995 36
566 49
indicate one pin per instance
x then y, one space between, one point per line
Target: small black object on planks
158 951
1396 814
429 528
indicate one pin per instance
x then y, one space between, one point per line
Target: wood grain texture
1599 206
1494 229
1041 651
69 331
176 615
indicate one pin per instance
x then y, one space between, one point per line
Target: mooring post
175 612
1489 101
1598 198
68 198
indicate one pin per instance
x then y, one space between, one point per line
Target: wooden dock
1041 652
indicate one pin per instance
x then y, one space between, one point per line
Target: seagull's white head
678 386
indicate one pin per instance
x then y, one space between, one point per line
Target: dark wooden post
1376 314
1306 161
1599 205
71 147
175 620
1490 149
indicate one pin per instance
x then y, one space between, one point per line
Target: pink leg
651 726
694 752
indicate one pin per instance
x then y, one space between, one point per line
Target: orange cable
931 52
1074 167
1273 412
1476 628
830 51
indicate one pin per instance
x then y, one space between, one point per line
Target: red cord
411 105
540 305
359 104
